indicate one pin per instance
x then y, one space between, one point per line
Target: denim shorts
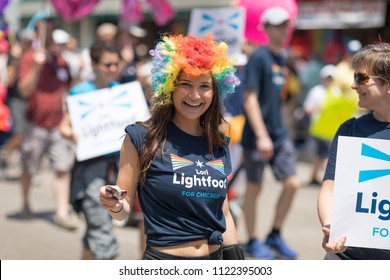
152 254
283 163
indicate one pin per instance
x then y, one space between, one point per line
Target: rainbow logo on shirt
217 165
179 162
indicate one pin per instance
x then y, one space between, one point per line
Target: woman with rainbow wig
178 160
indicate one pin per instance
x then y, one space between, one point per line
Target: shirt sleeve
137 134
253 73
26 62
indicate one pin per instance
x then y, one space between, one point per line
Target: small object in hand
119 194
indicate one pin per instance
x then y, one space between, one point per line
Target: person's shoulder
135 128
137 133
346 127
257 58
365 117
82 87
259 52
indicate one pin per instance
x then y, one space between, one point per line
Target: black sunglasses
362 78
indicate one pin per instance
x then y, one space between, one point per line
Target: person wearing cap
44 81
60 37
99 241
265 138
317 101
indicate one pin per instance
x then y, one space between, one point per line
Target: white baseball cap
328 70
353 46
60 36
137 31
274 16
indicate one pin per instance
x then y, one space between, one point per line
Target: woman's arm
253 110
127 180
230 248
324 208
324 202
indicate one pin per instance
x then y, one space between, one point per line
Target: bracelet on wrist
118 210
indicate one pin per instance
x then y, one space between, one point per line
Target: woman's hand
336 246
110 200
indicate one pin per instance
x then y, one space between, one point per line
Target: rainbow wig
194 56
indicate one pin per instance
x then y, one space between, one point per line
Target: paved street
41 239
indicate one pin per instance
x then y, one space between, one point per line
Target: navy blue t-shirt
365 126
264 73
184 190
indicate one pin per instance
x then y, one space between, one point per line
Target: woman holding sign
372 84
178 160
99 241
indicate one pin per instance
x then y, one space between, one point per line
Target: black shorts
283 163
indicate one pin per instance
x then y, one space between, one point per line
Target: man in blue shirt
265 138
87 176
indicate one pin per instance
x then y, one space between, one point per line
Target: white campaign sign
99 118
225 24
361 201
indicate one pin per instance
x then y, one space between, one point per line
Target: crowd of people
44 66
277 105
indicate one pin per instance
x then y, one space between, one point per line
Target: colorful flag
131 11
162 11
71 10
3 4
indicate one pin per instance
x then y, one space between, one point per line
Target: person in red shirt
44 82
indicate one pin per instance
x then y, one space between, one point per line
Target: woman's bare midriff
196 248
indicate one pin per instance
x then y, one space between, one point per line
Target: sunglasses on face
362 78
108 65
